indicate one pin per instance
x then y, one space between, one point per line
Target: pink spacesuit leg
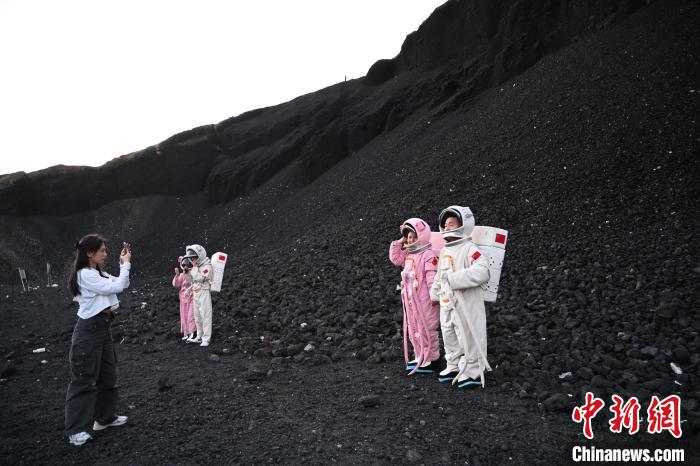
183 313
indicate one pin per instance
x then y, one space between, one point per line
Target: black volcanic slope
571 124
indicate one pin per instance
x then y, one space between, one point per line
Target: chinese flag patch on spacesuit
435 260
476 255
205 271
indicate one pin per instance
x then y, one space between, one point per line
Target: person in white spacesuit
202 275
461 270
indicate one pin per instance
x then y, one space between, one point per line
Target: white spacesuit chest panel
447 263
408 273
409 264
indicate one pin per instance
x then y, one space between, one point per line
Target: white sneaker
119 421
185 337
79 439
204 343
194 340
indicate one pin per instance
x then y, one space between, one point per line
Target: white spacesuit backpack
492 243
490 240
218 263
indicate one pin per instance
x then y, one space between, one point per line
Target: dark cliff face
480 43
179 165
471 44
375 146
504 36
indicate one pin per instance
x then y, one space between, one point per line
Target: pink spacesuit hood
422 230
467 219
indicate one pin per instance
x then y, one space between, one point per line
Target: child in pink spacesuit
183 281
414 253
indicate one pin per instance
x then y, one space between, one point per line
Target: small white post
22 277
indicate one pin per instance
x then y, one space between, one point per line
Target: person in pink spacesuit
457 287
183 281
414 253
202 277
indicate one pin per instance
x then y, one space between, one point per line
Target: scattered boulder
413 456
320 359
8 371
164 384
557 402
369 401
255 375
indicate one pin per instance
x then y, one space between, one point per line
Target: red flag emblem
476 255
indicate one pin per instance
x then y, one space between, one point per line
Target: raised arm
397 255
178 279
92 281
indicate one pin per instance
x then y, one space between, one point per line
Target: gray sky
83 82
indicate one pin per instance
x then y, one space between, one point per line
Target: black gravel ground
589 159
188 404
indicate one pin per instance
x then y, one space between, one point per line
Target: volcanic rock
369 401
320 359
413 456
681 354
557 402
8 371
255 375
164 384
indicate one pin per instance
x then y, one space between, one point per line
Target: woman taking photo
92 392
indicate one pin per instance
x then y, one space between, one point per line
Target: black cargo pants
92 391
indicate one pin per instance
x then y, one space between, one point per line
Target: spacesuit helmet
195 252
466 218
185 263
422 231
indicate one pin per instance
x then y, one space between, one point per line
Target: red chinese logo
626 415
587 412
665 415
661 415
